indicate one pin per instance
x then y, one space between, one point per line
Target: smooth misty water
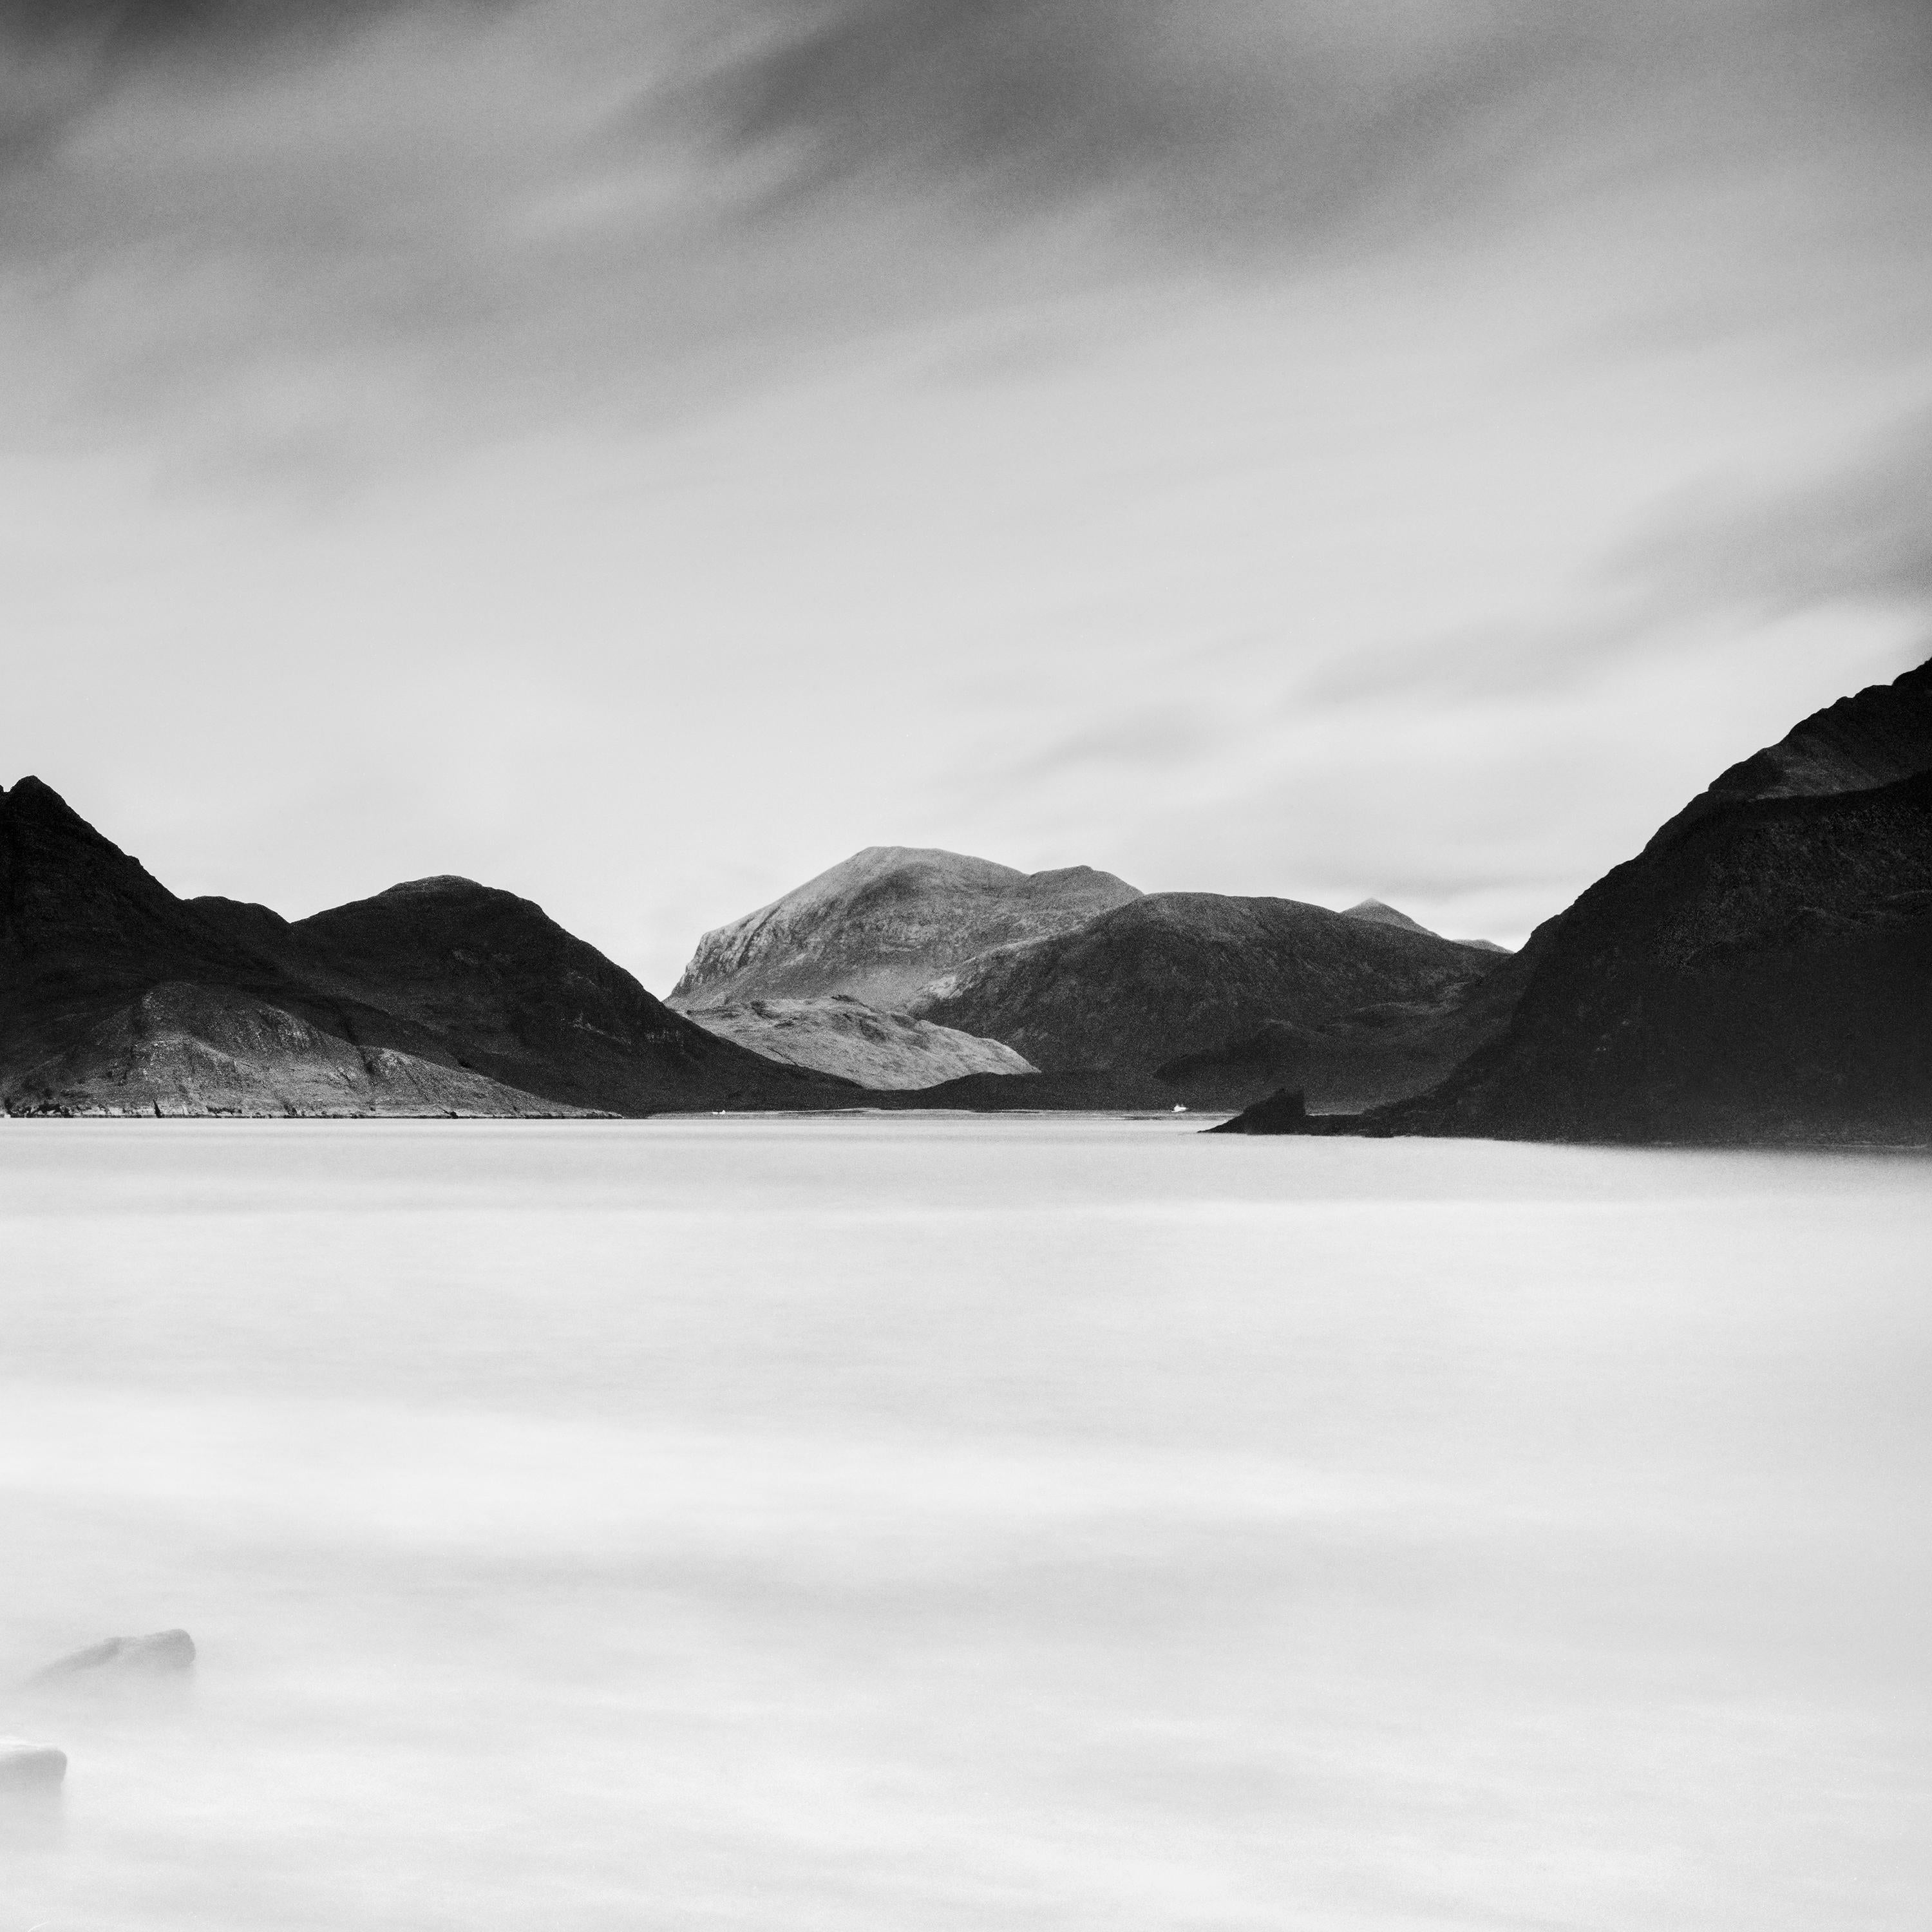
907 1524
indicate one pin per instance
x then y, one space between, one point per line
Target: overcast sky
636 452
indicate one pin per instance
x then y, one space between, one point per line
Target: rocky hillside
884 922
842 1036
1879 736
1762 972
186 1049
1188 998
1366 1058
1175 984
99 966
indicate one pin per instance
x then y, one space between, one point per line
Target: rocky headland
1761 972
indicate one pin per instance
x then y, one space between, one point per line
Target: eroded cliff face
879 925
1761 972
95 954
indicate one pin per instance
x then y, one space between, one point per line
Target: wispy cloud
1859 531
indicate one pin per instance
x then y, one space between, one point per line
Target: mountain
114 992
879 925
513 995
1176 997
843 1036
1381 1053
1174 988
1377 913
1862 743
1761 972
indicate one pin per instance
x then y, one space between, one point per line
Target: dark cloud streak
130 29
1229 113
1255 120
203 188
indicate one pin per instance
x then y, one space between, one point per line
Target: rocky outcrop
842 1036
1282 1112
1189 987
436 998
161 1653
27 1768
879 926
1761 972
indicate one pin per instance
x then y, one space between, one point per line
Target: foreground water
908 1524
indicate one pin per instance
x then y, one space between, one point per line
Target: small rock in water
30 1767
163 1651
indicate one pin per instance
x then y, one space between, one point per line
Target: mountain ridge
1172 976
477 983
879 924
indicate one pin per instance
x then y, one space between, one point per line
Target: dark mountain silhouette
113 992
1284 1111
880 924
1368 1056
517 997
1211 997
1761 972
1879 736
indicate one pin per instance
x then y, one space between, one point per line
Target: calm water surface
878 1525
